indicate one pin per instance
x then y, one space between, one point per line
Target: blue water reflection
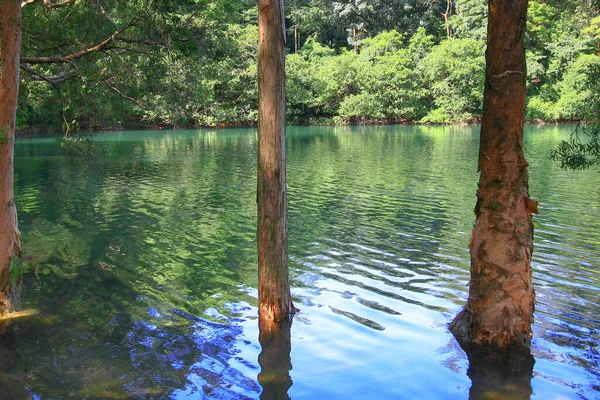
141 264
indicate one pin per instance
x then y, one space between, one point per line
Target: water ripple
142 264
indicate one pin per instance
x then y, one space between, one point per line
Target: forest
191 63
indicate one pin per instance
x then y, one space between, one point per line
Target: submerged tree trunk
499 311
275 301
10 248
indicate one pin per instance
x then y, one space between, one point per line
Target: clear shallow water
142 266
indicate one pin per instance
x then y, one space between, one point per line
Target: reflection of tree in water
499 374
116 245
123 254
11 382
274 359
113 349
209 372
494 375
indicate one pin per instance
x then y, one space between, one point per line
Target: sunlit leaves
454 72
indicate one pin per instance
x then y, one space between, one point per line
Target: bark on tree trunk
10 248
446 16
499 310
275 301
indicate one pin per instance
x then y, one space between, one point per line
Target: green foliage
299 87
560 59
385 43
593 30
394 81
470 20
314 50
336 20
539 110
582 150
336 78
541 20
579 153
420 44
454 72
193 62
576 87
362 106
380 83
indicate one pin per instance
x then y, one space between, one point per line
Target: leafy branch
578 154
71 57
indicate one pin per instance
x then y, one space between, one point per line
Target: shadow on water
499 375
274 359
11 383
121 266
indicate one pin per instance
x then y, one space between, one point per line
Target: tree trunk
296 39
275 302
446 16
499 310
10 248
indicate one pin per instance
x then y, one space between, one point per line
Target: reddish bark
499 311
275 302
10 248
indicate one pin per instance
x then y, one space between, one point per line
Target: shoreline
29 133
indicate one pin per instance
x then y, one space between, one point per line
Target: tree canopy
193 62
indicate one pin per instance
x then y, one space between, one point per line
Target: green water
142 265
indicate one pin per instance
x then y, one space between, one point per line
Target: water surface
142 265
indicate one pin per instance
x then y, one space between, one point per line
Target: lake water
141 264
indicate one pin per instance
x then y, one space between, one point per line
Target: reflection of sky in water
142 265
